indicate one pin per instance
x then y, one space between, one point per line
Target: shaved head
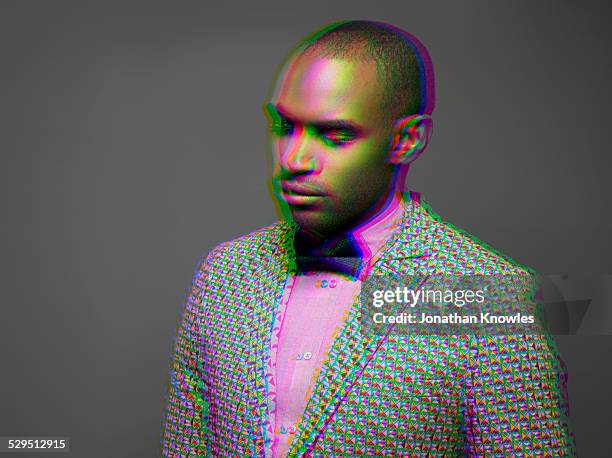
402 62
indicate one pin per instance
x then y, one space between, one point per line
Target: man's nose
297 156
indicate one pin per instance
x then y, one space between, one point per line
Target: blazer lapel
266 286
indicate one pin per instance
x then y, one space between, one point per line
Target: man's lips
300 189
301 194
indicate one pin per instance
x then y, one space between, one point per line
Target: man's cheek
278 146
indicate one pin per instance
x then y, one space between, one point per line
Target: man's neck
390 207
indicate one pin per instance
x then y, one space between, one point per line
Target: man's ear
410 136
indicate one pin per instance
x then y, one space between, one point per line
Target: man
271 358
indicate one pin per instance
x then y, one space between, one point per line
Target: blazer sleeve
516 398
184 426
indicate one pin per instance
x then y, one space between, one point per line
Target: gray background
133 141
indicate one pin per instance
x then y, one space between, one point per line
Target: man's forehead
315 87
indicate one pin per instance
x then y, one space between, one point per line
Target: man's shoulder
458 250
255 247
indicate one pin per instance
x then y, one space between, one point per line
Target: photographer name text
452 318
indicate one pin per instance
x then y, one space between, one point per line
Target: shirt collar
372 235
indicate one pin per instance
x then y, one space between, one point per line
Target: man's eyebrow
332 124
337 125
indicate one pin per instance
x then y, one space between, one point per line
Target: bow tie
343 256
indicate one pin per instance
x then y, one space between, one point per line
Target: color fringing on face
329 142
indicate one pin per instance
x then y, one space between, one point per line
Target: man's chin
317 223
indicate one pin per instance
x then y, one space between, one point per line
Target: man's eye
281 128
337 137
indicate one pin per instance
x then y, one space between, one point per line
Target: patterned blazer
403 395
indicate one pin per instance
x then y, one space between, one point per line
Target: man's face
329 141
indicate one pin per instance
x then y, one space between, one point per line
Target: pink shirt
312 312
